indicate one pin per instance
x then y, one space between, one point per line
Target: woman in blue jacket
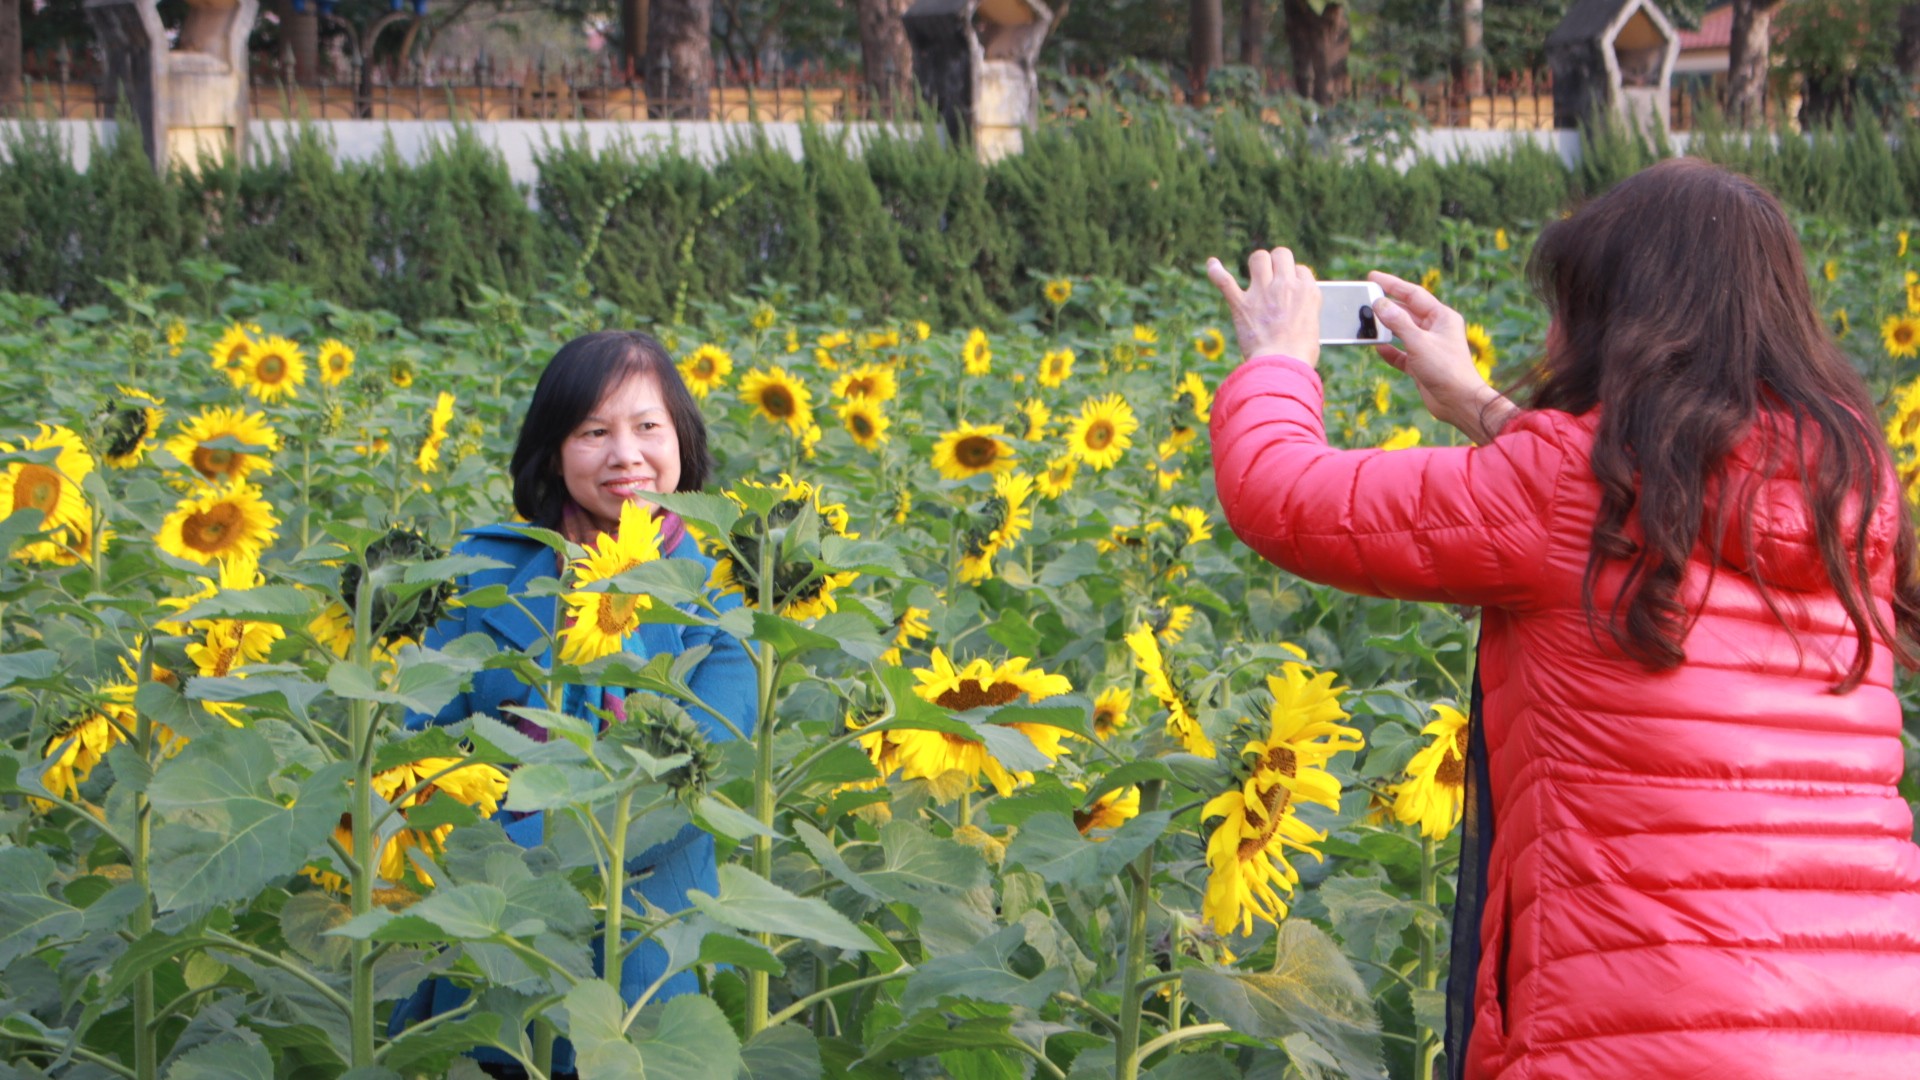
610 418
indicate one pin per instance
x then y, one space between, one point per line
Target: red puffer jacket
1705 872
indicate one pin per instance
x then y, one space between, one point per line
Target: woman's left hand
1278 312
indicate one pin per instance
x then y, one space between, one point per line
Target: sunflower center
337 363
1910 424
1453 767
272 369
861 426
1903 334
972 694
1105 719
210 463
777 402
1280 760
861 388
976 452
615 616
703 367
1100 435
125 428
212 530
37 487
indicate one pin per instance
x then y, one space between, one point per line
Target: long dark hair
575 380
1680 304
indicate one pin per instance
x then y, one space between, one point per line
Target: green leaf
721 947
788 637
982 973
421 684
712 514
1369 920
715 816
231 835
929 1034
28 915
448 568
748 901
1051 846
1078 561
866 556
601 1049
670 582
295 693
691 1040
431 742
787 1052
1014 632
844 764
432 1050
1133 772
1312 989
305 920
35 665
830 860
467 912
915 862
854 633
282 605
549 787
226 1059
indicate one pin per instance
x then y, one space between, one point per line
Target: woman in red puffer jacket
1697 576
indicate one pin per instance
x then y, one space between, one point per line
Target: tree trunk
1319 43
1254 26
1747 61
1472 52
12 58
885 56
633 39
679 63
1205 27
1906 52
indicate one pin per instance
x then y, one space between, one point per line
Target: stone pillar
190 99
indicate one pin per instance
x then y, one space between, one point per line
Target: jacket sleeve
1461 525
725 679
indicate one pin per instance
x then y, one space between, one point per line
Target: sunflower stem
611 964
767 663
1132 993
1429 971
366 861
146 1053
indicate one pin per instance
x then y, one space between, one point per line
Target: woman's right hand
1436 356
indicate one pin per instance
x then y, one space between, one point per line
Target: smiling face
626 444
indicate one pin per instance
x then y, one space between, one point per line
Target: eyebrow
595 417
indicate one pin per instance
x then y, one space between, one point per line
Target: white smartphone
1346 314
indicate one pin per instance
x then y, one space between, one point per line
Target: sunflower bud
664 730
402 617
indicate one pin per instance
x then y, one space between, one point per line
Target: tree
12 57
886 59
1747 60
1319 39
1254 16
1906 52
679 67
1472 53
633 37
1204 50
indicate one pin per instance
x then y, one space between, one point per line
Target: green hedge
909 225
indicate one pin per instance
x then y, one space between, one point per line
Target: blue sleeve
451 625
726 679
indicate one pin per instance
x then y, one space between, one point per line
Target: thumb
1396 318
1223 280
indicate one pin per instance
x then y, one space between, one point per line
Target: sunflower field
1053 777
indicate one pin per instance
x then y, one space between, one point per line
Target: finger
1223 280
1305 273
1259 270
1397 318
1283 263
1424 305
1393 356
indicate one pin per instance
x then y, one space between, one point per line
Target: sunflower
273 369
1057 478
195 446
1007 516
1402 438
1101 432
1901 334
1195 519
1903 428
1110 711
1145 336
1831 270
977 354
1842 326
1194 389
706 369
233 346
1480 347
1247 853
866 421
1430 280
1165 685
480 786
1902 239
793 340
910 627
1382 396
1913 297
1434 793
597 622
429 457
952 764
800 591
336 362
1038 417
902 505
230 644
219 523
1056 367
1500 242
1109 811
400 373
875 382
176 336
231 574
53 489
124 429
1181 438
879 340
1169 622
1058 291
970 450
1210 343
838 339
779 398
75 748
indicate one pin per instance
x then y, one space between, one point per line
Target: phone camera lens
1368 328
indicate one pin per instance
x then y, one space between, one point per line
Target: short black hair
575 380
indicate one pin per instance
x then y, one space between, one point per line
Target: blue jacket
725 679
